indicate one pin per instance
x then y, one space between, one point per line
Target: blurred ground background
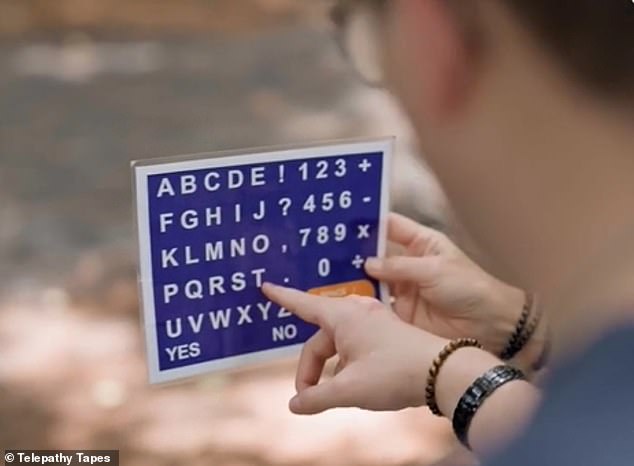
86 86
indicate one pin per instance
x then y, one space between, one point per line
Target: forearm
502 416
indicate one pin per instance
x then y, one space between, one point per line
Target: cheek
471 179
401 62
490 199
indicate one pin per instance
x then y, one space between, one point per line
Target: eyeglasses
359 36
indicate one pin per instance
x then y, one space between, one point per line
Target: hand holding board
213 229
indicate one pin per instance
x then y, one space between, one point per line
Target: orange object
340 290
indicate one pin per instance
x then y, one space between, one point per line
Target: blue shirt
587 417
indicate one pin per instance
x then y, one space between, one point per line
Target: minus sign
367 199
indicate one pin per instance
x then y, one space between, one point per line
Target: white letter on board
165 188
188 184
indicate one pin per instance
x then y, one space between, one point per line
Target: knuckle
421 240
376 306
363 302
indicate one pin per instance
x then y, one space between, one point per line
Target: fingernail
293 404
373 263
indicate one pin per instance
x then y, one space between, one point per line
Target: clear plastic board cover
213 227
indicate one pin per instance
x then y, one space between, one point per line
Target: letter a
165 188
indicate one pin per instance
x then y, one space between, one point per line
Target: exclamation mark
281 172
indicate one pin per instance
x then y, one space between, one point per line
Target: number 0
324 267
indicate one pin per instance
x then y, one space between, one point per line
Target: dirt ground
19 18
88 86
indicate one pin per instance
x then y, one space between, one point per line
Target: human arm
502 417
437 287
385 363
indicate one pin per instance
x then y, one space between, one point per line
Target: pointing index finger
316 310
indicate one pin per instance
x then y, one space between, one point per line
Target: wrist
448 350
505 306
517 399
482 389
535 348
508 304
428 349
501 390
458 373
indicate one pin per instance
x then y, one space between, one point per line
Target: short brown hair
594 39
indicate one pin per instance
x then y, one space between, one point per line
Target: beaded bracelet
524 329
475 396
430 389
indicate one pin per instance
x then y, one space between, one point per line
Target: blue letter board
213 228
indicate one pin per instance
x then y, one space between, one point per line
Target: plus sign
365 165
358 261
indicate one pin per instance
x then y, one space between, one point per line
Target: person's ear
433 40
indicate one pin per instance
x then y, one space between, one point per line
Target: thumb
418 270
318 398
